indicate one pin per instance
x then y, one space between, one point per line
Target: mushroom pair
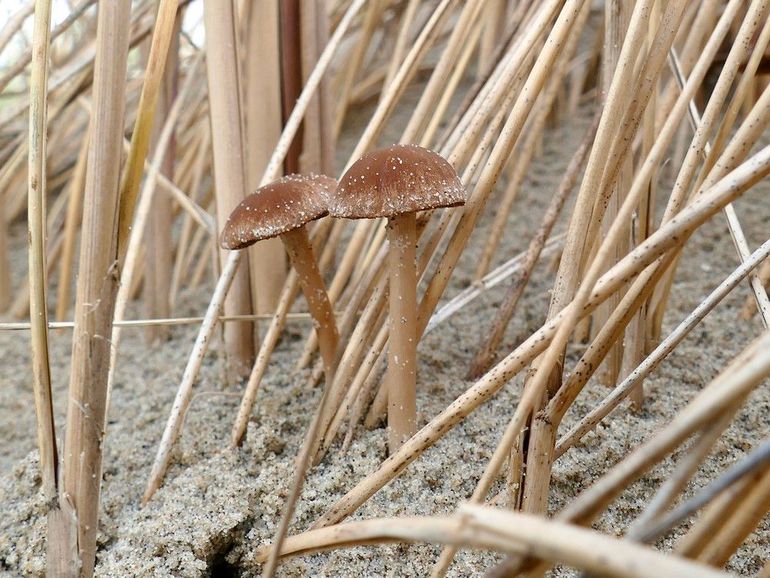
394 183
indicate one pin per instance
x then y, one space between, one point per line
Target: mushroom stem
402 351
300 252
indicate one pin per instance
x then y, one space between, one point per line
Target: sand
217 505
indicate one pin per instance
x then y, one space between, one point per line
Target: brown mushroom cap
277 208
396 180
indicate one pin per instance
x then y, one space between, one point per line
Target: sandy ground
217 506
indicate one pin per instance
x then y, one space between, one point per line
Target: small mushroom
397 182
283 208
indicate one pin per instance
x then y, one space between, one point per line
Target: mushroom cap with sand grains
396 180
277 208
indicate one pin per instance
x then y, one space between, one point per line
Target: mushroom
397 182
283 208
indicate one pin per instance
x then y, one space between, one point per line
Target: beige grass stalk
184 392
71 225
616 20
733 224
262 109
739 52
670 235
229 167
160 248
38 286
73 531
507 532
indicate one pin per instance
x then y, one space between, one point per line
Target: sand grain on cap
283 205
395 180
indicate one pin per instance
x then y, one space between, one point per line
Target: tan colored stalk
635 337
229 168
38 286
184 392
73 531
673 234
157 282
616 20
507 532
262 108
643 178
72 222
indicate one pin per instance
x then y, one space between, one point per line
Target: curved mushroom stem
300 252
402 351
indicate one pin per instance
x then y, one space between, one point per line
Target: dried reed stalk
157 285
651 362
72 535
262 109
38 286
229 168
507 532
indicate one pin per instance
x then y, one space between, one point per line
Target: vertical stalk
157 283
74 532
229 171
36 212
262 110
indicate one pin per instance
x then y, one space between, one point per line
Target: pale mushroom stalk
402 350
